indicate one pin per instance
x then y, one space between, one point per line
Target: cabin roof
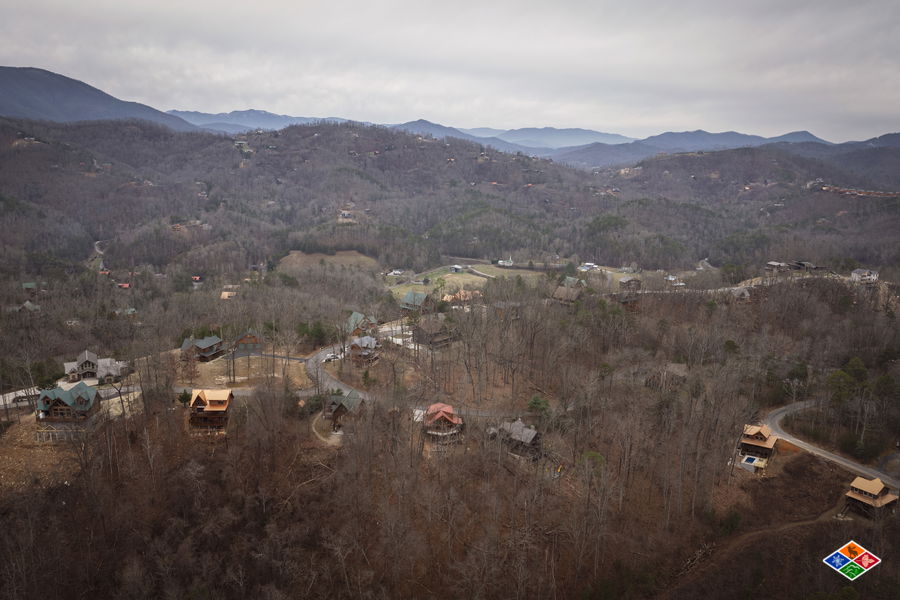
222 399
69 397
872 486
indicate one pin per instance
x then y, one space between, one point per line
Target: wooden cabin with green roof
73 405
340 407
416 302
359 324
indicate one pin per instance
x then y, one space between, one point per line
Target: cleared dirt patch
300 261
25 462
248 372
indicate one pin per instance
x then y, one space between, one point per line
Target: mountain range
42 95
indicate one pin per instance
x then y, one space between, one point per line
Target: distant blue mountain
30 93
551 137
423 127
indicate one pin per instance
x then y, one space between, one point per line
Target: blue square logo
836 561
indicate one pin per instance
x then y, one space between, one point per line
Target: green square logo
852 570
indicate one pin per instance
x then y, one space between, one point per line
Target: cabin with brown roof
209 410
204 349
433 331
364 351
758 441
249 343
870 496
567 295
442 424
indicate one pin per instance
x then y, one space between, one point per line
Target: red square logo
867 560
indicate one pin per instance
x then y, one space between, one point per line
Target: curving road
316 371
773 420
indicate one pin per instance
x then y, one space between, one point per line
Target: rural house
740 294
462 296
88 366
415 302
341 407
360 324
76 404
209 410
864 276
629 284
869 495
757 442
363 351
567 295
28 307
433 330
519 438
249 343
203 349
442 424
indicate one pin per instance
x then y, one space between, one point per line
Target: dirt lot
24 462
300 261
249 371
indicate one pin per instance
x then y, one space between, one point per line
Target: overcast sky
636 68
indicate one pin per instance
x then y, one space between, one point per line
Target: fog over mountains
42 95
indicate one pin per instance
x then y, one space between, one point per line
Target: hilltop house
433 330
567 295
462 296
360 324
870 495
32 287
88 366
203 349
757 442
442 424
249 343
341 407
74 405
28 307
630 284
209 410
864 276
774 266
520 438
363 351
740 294
416 302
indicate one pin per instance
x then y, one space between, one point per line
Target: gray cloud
764 67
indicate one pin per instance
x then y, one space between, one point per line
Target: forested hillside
412 199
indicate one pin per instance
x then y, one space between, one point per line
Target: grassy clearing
529 276
300 261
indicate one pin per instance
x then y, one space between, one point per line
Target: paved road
316 370
773 420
